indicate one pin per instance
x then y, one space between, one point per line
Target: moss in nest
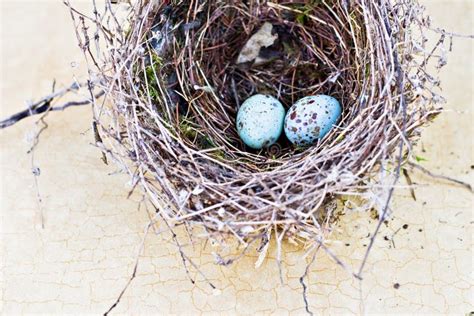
205 142
219 154
150 76
190 130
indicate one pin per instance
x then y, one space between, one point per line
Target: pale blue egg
311 118
260 121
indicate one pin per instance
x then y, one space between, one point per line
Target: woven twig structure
173 87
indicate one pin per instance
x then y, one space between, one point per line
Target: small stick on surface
303 284
45 105
135 268
442 177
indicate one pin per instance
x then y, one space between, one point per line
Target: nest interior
311 55
175 88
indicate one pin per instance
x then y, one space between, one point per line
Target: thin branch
303 284
410 183
135 268
45 105
36 171
442 177
452 34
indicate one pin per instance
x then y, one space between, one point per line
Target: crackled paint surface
81 260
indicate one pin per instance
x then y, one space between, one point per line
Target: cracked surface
85 254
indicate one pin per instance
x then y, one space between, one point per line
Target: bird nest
176 72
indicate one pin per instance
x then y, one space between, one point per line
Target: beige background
85 254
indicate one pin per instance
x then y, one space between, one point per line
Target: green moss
151 79
420 159
367 70
340 137
205 142
219 154
302 18
288 49
300 148
188 130
127 32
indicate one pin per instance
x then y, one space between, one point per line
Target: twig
135 268
36 171
98 140
45 105
410 183
452 34
185 258
466 185
303 284
338 261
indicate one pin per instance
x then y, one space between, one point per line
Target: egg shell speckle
311 118
260 121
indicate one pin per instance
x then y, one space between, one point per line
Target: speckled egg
260 121
311 118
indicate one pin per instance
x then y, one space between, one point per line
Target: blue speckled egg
311 118
260 121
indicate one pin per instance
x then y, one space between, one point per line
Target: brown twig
135 268
466 185
45 104
303 284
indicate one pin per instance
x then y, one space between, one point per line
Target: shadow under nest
176 89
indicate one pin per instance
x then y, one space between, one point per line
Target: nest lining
302 62
172 119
